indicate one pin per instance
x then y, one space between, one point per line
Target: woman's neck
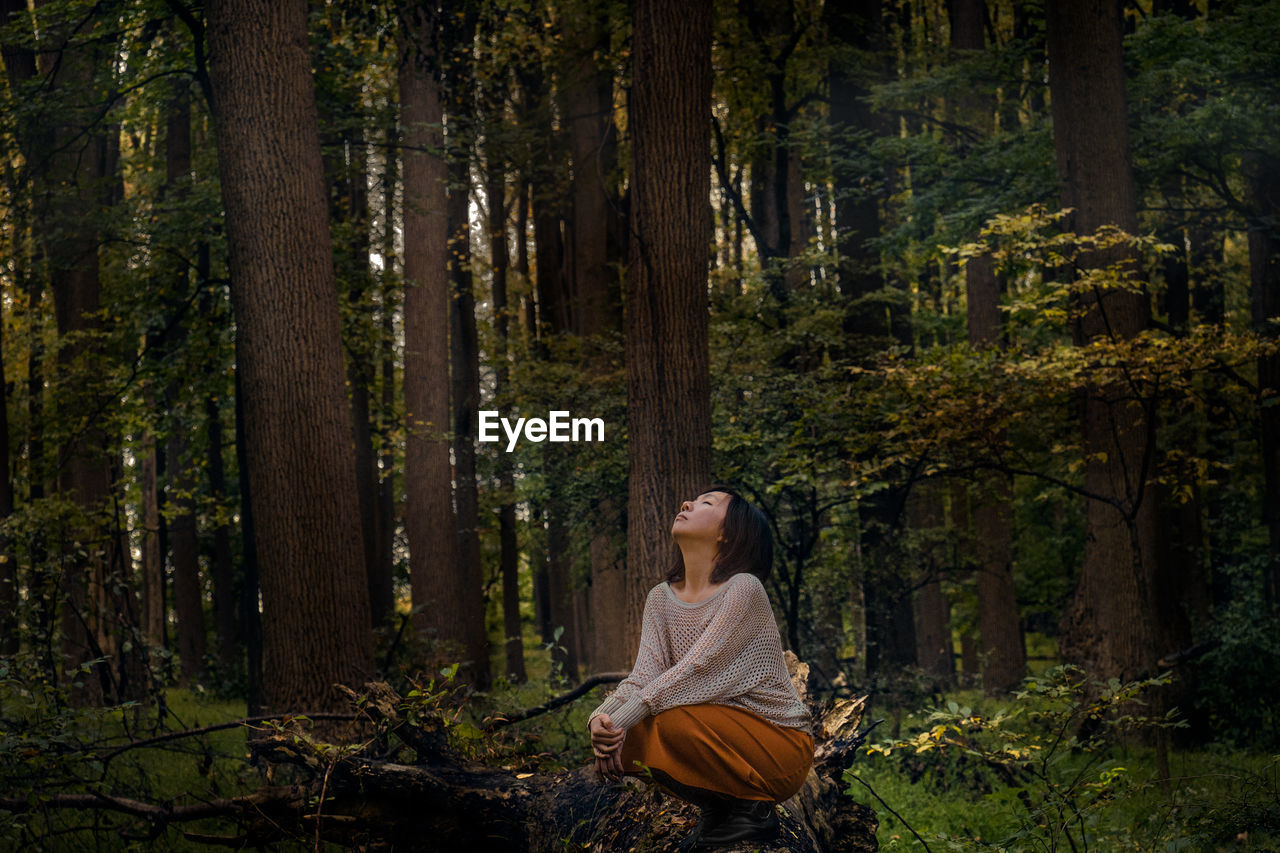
699 560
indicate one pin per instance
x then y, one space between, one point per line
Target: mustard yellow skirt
720 748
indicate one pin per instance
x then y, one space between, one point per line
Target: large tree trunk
429 515
1112 624
588 101
668 364
597 305
297 424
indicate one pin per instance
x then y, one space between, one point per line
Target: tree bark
1111 626
588 101
297 424
668 364
429 514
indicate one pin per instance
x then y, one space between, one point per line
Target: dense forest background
976 299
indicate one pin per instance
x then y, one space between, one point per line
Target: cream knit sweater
724 650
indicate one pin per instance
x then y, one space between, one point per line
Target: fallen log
348 795
445 804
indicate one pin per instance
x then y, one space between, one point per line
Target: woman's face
702 517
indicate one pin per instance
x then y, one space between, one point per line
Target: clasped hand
606 743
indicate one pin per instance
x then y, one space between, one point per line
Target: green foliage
1236 684
1060 766
50 748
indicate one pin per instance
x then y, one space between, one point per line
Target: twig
563 699
858 778
234 724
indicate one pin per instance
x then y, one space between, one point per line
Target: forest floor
1218 798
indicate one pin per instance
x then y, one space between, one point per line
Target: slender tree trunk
465 350
999 627
223 566
1262 174
528 322
469 609
557 316
1112 625
68 218
32 138
297 425
932 610
8 566
151 584
873 315
668 373
509 551
250 590
387 342
188 598
429 514
347 176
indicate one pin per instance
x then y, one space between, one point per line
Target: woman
709 709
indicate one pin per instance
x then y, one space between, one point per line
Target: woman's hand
606 743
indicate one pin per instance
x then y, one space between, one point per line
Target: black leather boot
713 807
747 820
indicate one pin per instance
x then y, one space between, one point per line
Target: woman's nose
686 506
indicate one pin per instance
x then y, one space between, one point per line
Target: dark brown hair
747 544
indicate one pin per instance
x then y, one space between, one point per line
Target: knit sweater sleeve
651 659
702 675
